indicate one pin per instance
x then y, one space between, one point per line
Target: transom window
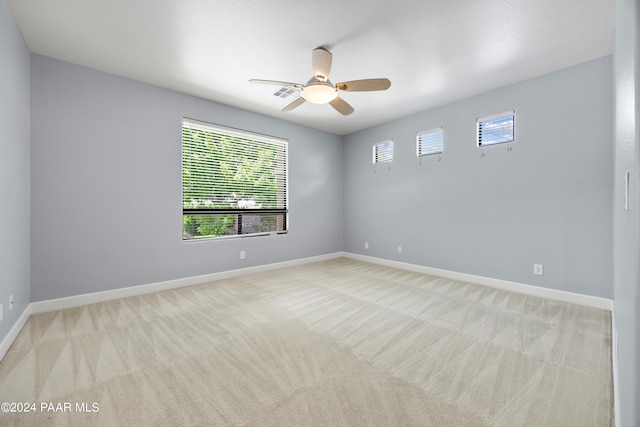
233 182
496 129
383 151
430 142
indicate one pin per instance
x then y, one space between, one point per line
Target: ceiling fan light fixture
319 92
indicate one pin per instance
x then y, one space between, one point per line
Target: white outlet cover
538 269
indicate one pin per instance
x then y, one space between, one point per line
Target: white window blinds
496 129
383 151
430 142
233 182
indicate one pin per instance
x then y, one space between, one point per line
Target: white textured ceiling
433 51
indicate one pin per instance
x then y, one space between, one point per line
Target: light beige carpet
336 343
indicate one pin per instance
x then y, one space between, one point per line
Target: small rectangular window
496 129
383 151
430 142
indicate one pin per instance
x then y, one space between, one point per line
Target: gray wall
548 201
627 222
14 170
106 185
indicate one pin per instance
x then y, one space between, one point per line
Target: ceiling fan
319 90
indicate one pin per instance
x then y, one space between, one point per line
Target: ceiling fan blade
321 64
364 85
276 82
298 102
341 106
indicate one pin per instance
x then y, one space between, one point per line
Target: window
233 182
496 129
430 142
383 151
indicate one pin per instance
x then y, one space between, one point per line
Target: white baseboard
6 342
96 297
538 291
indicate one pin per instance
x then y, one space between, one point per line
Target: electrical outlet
242 255
1 314
366 245
11 302
399 249
538 269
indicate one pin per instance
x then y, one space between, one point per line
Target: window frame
495 117
240 213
